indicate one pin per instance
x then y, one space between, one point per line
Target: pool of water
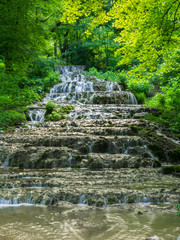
84 223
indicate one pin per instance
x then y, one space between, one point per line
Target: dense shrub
171 169
139 85
17 91
141 98
50 107
11 118
109 75
56 114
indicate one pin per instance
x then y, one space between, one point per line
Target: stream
84 223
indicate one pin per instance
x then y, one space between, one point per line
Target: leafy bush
141 98
50 107
11 118
54 117
41 75
171 169
109 75
139 85
168 103
17 91
41 67
53 114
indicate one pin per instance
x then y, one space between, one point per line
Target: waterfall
79 89
37 115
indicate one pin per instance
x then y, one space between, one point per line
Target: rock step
94 123
73 138
118 107
101 97
105 131
84 186
85 84
92 157
96 112
100 108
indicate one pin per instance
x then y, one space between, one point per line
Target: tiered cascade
83 92
100 133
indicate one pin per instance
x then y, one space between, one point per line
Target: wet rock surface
99 188
104 153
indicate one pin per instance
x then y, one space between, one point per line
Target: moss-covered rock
100 145
158 151
95 166
99 203
131 198
175 155
156 164
171 169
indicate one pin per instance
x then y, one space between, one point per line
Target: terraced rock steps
104 132
83 186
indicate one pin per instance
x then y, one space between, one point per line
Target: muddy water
84 223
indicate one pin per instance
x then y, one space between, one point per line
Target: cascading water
79 89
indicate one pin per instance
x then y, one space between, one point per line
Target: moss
10 129
44 155
134 129
78 158
140 212
95 166
175 155
118 164
111 200
42 164
131 199
20 165
75 166
99 203
55 115
158 151
91 201
156 164
171 169
50 107
136 165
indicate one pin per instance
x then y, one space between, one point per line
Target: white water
79 89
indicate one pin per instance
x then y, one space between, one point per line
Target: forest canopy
147 29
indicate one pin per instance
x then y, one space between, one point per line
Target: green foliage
119 77
138 85
41 67
146 29
57 114
169 119
141 98
17 91
24 32
178 209
50 107
175 155
41 75
171 169
11 118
